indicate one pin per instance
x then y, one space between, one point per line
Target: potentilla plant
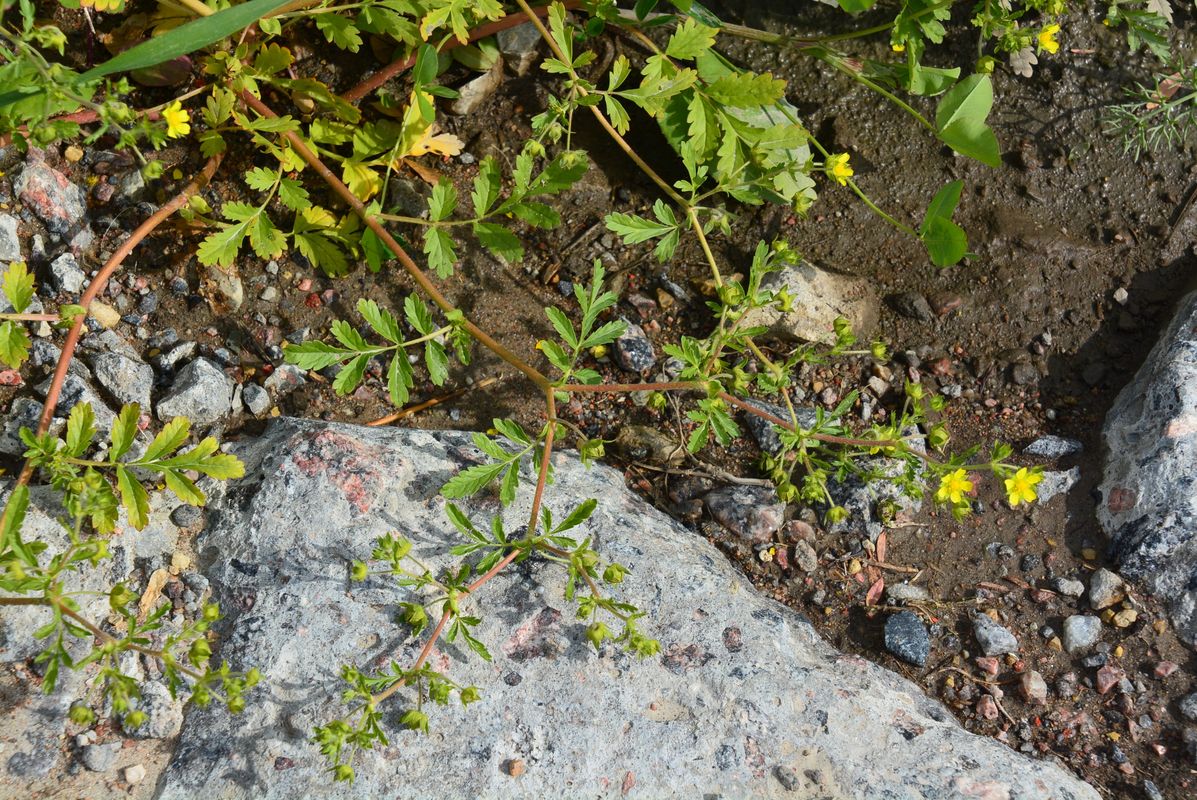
318 187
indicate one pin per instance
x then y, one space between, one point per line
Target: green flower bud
470 694
836 514
359 571
343 773
236 704
82 715
591 449
614 573
415 720
135 719
879 351
252 678
120 596
657 401
938 437
914 390
211 612
596 632
985 65
200 652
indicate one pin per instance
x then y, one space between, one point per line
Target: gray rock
10 243
100 757
33 727
478 90
256 399
1152 792
1105 589
110 342
189 518
23 413
866 499
45 191
907 638
1188 707
906 593
1069 587
164 714
751 512
131 185
66 275
1053 447
765 432
805 557
1081 632
77 390
820 296
285 379
317 494
519 46
1149 486
125 380
993 638
1056 483
226 286
201 392
633 351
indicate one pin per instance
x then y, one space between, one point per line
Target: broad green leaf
945 201
322 251
747 90
536 214
512 431
134 498
946 242
471 480
609 332
960 120
375 250
261 179
168 440
220 248
14 517
184 488
633 229
577 516
853 6
443 201
361 180
187 38
351 375
18 286
267 241
381 320
81 429
14 344
124 428
293 195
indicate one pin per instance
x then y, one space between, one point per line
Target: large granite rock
1149 491
744 700
820 297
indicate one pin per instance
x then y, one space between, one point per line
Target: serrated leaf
471 480
14 344
134 498
323 252
124 428
14 517
562 325
606 334
184 488
220 248
351 375
18 286
690 40
443 201
81 429
747 90
399 379
168 440
363 181
510 484
512 431
578 515
536 214
438 246
498 240
339 31
315 355
261 179
417 314
381 320
267 241
272 58
436 361
487 184
633 229
292 194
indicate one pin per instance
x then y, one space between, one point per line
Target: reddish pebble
941 366
514 767
1165 668
989 664
305 285
329 296
1033 687
1042 595
943 304
782 557
10 377
987 708
1107 678
312 301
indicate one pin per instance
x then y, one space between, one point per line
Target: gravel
1053 447
907 638
1105 589
993 638
633 351
125 380
66 275
100 757
1081 633
201 392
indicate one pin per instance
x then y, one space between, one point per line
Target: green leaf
512 431
261 179
14 517
563 326
536 214
272 58
471 480
633 229
18 286
81 429
267 241
221 248
186 38
437 362
487 184
960 120
606 334
399 378
14 344
747 90
690 40
184 488
944 203
339 31
315 355
133 497
946 242
500 241
854 6
381 320
443 201
293 195
577 516
351 375
417 314
510 484
124 428
322 251
171 437
438 246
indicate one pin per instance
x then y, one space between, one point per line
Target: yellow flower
953 486
898 47
1047 39
103 5
837 167
177 120
1020 487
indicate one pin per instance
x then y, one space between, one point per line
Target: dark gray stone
1188 707
913 305
633 351
100 757
256 399
907 638
1105 589
1149 488
765 432
314 498
76 390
